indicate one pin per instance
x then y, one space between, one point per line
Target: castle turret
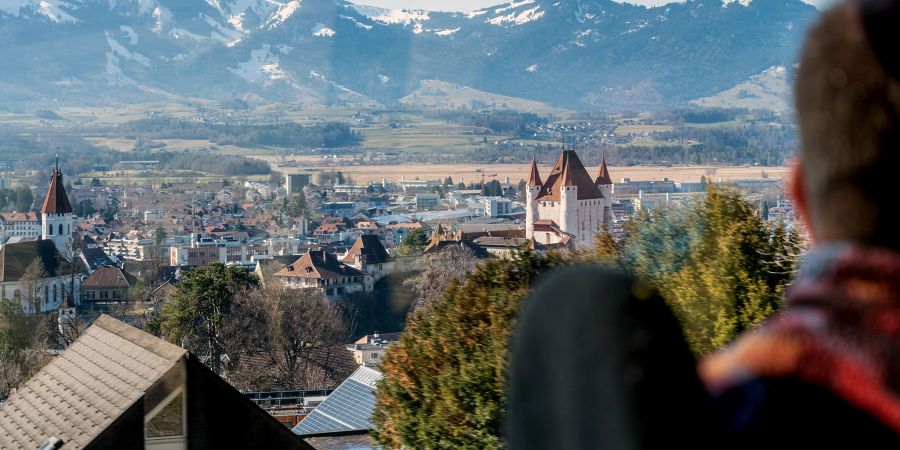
56 214
605 183
531 203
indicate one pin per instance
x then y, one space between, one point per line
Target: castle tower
531 204
57 215
605 183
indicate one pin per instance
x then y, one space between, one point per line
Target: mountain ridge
581 54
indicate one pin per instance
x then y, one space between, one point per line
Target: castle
570 208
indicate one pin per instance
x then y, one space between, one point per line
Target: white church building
37 273
570 207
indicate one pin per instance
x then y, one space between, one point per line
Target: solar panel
348 408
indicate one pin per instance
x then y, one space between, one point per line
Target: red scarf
840 330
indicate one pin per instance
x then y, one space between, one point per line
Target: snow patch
237 22
51 9
357 23
447 32
521 18
161 17
725 3
283 13
513 5
401 16
12 7
132 35
532 68
262 67
418 29
119 51
320 30
474 14
384 79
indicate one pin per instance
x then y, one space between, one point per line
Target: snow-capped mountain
574 53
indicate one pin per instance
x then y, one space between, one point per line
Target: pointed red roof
535 178
603 177
56 202
569 171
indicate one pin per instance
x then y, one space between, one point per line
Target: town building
20 226
107 285
570 207
295 182
369 255
427 202
368 350
34 274
497 207
321 270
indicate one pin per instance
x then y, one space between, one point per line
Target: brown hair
848 108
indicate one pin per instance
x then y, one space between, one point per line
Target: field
469 173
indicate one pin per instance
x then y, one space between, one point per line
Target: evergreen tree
444 382
606 249
195 316
24 199
413 243
720 267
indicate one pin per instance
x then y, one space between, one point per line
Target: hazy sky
469 5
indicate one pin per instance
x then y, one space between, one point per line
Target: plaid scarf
840 330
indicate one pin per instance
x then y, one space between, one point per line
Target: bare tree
23 345
286 338
438 271
31 279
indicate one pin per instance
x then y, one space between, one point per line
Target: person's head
848 108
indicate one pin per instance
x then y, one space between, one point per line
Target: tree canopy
195 316
444 382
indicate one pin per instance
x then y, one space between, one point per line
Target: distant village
93 246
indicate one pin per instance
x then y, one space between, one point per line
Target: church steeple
56 202
603 177
57 215
535 178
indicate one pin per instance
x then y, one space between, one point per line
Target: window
50 229
104 295
169 421
117 294
60 229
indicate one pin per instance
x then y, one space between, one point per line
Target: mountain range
579 54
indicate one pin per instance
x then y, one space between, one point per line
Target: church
570 207
37 274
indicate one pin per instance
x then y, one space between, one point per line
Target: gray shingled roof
84 389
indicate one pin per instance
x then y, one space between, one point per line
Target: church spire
603 177
56 202
535 178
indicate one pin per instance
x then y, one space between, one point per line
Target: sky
469 5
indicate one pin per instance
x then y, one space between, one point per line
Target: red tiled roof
568 172
56 202
603 177
19 217
370 246
535 178
319 264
